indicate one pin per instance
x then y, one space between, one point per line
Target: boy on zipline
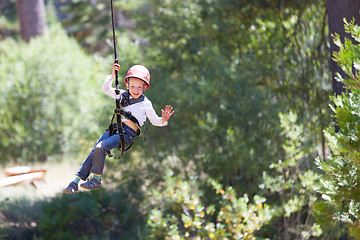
137 81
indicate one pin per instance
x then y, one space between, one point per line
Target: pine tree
341 180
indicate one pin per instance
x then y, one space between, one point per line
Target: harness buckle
117 111
126 114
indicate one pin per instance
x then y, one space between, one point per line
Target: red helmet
140 72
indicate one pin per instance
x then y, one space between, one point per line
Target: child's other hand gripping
116 67
167 113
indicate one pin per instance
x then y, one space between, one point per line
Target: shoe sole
85 187
69 192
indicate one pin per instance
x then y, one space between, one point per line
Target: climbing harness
125 101
117 127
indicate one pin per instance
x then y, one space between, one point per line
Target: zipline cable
118 110
114 41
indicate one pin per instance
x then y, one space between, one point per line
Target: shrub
91 215
179 212
48 96
18 218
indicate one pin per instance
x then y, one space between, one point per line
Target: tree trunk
32 18
337 10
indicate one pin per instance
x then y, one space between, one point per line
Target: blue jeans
95 161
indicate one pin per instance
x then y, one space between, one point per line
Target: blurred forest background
264 143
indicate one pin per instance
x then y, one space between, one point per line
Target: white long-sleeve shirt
140 110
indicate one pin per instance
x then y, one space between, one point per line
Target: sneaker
72 188
92 184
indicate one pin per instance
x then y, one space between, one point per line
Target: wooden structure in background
16 175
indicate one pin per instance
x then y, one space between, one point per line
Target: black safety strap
120 129
113 26
117 127
126 100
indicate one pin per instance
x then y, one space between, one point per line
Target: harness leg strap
108 152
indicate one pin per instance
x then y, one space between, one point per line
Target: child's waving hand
167 113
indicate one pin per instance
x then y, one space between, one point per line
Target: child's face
136 87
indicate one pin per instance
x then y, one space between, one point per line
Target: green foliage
340 184
348 56
52 102
17 218
48 89
222 120
228 68
228 76
90 24
91 215
292 185
8 21
290 49
81 15
179 212
203 54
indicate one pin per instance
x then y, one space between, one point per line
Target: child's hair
128 81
